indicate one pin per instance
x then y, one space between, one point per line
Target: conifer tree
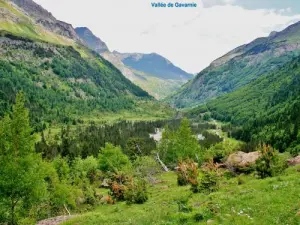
21 182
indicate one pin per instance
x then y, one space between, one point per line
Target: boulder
242 159
294 161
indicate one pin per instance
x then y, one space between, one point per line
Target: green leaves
179 144
21 180
112 159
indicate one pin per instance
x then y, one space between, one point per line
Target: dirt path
54 220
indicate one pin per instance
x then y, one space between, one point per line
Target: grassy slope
157 87
265 202
26 28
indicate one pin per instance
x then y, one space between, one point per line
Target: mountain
90 40
62 79
240 66
152 72
266 110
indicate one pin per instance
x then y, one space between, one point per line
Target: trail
55 220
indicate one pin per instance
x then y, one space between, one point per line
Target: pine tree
21 183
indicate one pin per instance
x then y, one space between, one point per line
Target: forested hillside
266 110
152 72
62 79
59 84
240 67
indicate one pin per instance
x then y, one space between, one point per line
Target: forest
266 110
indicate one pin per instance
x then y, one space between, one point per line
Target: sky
191 38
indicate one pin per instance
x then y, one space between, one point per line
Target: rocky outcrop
242 159
46 19
294 161
90 40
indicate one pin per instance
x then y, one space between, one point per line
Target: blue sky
191 38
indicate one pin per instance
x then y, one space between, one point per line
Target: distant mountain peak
151 71
91 40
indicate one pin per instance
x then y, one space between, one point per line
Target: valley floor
240 200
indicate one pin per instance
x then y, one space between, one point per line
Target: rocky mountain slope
61 78
90 40
152 72
240 66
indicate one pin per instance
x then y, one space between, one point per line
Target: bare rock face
294 161
242 159
46 19
90 40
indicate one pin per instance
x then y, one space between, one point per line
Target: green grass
264 202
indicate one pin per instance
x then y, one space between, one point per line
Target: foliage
83 141
268 164
187 173
21 181
139 147
179 144
112 159
265 110
136 192
146 167
59 84
256 201
208 182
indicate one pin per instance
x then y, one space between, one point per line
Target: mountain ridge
240 66
141 69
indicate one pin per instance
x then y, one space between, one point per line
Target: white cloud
189 37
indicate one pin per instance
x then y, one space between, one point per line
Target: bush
117 186
208 182
136 192
187 173
269 164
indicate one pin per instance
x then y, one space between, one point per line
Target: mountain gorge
240 66
152 72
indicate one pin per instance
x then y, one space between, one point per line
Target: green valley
84 139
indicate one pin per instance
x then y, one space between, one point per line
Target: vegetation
179 144
256 201
266 110
59 84
239 67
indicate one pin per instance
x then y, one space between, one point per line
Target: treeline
266 110
86 141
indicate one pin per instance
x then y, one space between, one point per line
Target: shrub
117 186
117 191
187 173
269 164
136 192
208 182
